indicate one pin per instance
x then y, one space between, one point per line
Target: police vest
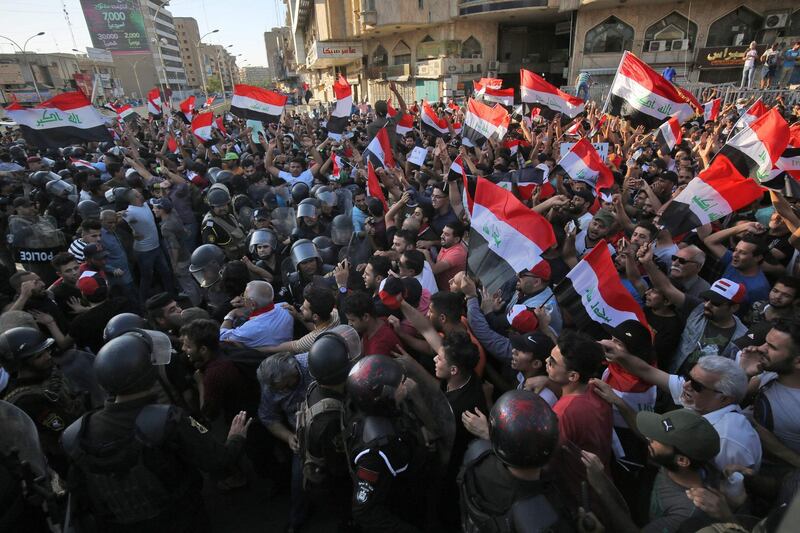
315 468
224 232
129 480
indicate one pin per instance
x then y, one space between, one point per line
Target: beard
782 368
665 461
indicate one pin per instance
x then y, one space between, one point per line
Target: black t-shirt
62 293
46 305
466 398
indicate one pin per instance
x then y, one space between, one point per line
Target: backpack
315 468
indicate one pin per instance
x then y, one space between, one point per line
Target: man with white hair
264 325
713 388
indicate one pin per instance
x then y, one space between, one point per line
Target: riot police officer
385 456
319 419
501 483
35 239
264 254
135 465
219 226
206 265
308 264
38 387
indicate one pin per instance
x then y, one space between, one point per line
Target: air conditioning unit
775 20
680 44
476 56
657 46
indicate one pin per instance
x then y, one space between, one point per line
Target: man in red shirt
452 258
584 419
377 337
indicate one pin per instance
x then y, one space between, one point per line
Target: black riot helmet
122 323
523 429
126 364
40 178
218 195
342 230
89 209
372 383
20 344
332 353
225 177
299 192
206 264
327 250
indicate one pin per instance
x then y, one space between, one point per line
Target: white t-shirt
750 58
143 223
427 279
306 177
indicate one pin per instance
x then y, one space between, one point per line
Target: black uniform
136 467
384 458
494 501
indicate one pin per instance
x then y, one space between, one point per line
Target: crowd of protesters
246 250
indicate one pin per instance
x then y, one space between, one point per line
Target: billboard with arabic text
116 26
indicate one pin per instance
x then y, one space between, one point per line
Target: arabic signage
116 25
322 55
724 56
99 55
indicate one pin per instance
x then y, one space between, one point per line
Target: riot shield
345 201
19 437
430 406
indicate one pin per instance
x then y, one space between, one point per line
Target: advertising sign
116 26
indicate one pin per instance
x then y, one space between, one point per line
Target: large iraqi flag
65 119
483 122
716 192
753 113
154 104
583 163
643 97
255 103
755 150
202 123
432 123
344 106
506 236
593 293
548 98
498 96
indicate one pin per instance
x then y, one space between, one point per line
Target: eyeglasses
682 261
697 386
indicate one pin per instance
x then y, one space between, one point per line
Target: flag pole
608 96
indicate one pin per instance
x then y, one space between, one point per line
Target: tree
213 84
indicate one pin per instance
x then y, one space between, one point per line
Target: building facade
280 55
218 63
56 73
188 34
436 48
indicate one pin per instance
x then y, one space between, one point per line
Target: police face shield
19 437
208 276
284 221
58 188
264 238
342 230
351 340
303 251
306 210
161 347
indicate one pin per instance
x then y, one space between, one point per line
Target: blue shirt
265 329
117 258
359 218
790 58
757 286
279 406
669 73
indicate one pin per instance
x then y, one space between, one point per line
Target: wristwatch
343 290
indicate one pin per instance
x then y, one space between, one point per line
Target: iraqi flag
65 119
219 123
406 122
209 101
126 113
549 99
154 102
201 126
643 97
756 111
583 163
172 144
716 192
528 178
456 169
255 103
337 163
374 186
755 150
187 109
431 123
344 106
379 150
483 123
598 125
507 237
711 110
592 293
669 135
498 96
82 164
789 161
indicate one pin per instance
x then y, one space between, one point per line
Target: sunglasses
697 386
681 260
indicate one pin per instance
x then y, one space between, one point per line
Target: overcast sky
240 22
